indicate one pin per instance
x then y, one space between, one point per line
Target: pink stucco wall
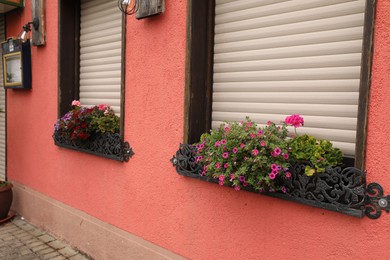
145 196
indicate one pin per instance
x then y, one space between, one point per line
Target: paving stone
36 232
79 257
60 257
67 251
46 238
57 244
27 227
41 247
51 255
35 243
45 251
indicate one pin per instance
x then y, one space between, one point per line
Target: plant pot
5 201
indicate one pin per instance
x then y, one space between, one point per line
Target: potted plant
5 200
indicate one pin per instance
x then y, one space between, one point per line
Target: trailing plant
241 154
81 123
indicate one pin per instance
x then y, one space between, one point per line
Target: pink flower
237 188
221 183
221 177
217 165
259 133
269 123
284 190
244 184
217 143
199 158
76 103
227 129
223 141
226 165
225 155
235 150
277 150
275 172
102 107
252 135
272 175
249 124
274 166
288 175
241 178
232 177
203 173
262 143
255 152
285 156
242 145
295 120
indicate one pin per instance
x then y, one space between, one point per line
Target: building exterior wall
145 196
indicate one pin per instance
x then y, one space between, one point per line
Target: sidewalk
20 240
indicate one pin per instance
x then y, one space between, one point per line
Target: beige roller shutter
273 58
100 53
3 128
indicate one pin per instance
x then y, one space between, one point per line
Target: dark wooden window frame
69 65
199 74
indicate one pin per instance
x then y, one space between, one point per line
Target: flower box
93 130
108 145
338 189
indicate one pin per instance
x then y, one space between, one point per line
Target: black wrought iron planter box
339 190
106 145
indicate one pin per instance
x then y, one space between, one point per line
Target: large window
91 60
268 59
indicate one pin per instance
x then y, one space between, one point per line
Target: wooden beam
38 11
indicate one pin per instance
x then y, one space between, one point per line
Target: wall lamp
38 37
23 36
128 7
142 9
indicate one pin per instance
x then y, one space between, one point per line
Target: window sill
340 190
106 145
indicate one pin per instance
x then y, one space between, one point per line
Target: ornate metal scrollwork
184 160
106 145
336 186
375 201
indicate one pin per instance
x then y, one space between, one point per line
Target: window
91 63
269 59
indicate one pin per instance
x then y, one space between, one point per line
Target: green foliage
80 123
320 153
106 124
240 154
4 184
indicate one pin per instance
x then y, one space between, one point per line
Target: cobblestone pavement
20 240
